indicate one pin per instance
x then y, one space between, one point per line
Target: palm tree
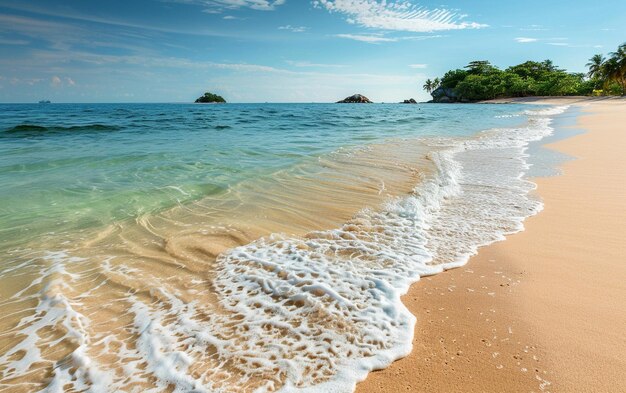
436 83
595 67
429 86
615 67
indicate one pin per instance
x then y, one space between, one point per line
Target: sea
241 247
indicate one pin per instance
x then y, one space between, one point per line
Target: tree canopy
480 80
608 74
210 98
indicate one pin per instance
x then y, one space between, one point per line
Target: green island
480 80
210 98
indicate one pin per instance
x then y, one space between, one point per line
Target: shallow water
236 247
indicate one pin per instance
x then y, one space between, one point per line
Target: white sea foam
297 314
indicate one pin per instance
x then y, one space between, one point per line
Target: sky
281 50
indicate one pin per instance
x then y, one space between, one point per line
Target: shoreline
539 311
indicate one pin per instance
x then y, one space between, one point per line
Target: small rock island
355 99
210 98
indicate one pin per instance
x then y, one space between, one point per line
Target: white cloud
418 66
524 40
232 17
55 81
376 38
371 39
398 15
295 29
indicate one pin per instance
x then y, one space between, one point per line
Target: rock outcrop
355 99
409 101
444 95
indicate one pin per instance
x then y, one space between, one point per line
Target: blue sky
281 50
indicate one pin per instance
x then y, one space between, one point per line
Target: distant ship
44 101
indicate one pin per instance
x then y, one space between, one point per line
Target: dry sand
545 310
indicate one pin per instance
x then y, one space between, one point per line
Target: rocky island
210 98
355 99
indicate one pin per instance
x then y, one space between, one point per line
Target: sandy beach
544 310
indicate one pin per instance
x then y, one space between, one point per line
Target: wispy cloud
31 27
371 39
308 64
38 28
554 41
376 38
418 66
216 6
533 28
55 81
397 15
22 81
295 29
8 41
524 40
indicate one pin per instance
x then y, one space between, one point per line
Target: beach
264 250
542 311
279 265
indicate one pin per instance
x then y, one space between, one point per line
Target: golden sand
544 311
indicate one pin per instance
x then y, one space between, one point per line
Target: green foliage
480 87
609 74
428 86
534 69
481 67
480 80
452 78
210 98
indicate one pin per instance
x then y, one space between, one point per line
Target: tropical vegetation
210 98
480 80
608 75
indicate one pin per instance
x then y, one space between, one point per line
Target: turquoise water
241 247
69 166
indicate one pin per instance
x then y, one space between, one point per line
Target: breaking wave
282 313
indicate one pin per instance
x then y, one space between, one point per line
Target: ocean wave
292 314
38 130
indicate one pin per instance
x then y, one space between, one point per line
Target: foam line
294 314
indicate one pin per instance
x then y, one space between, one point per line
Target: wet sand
545 310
